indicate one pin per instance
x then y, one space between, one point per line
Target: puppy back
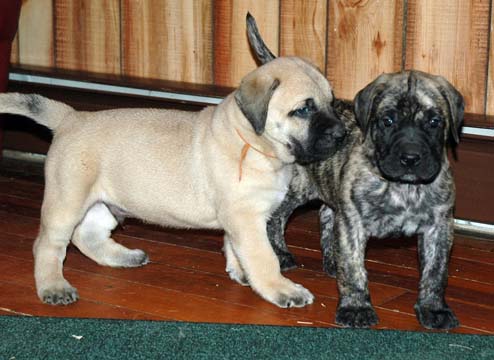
44 111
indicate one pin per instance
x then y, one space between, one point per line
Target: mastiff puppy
391 177
226 167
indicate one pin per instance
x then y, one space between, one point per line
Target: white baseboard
75 84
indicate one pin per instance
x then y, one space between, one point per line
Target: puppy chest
278 197
404 223
394 213
270 193
281 184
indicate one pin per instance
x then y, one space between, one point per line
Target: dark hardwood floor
186 278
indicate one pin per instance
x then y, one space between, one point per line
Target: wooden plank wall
204 41
35 34
87 35
364 39
451 38
169 40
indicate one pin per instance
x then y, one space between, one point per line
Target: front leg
354 306
250 245
276 230
301 191
328 247
233 267
434 248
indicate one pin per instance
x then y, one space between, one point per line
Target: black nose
410 159
332 137
336 131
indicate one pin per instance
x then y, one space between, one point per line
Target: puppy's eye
435 122
388 121
301 112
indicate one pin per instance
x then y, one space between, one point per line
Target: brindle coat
393 177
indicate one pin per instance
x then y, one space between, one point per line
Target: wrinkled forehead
411 93
315 76
300 80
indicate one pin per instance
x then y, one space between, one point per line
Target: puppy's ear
456 107
364 102
253 98
261 51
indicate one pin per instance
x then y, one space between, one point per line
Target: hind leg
92 237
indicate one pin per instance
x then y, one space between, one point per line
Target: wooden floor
186 279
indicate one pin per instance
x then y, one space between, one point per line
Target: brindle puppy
392 176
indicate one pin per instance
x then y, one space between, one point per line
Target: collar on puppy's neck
245 150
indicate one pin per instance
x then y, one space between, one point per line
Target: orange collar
243 154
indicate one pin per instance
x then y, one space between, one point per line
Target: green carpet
52 338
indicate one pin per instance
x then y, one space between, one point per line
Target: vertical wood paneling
204 41
449 37
490 74
168 39
364 40
88 35
232 56
35 33
303 30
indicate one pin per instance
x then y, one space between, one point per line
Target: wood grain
36 43
470 316
450 38
168 39
88 35
303 30
232 56
364 40
204 41
186 279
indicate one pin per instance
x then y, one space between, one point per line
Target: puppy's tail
44 111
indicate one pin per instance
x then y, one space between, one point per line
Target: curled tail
44 111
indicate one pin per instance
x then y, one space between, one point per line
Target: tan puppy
226 167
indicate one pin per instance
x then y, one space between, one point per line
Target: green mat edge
59 338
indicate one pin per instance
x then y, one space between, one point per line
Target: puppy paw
436 318
287 261
134 258
59 295
287 294
238 275
121 257
356 316
298 298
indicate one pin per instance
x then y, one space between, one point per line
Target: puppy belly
190 220
164 197
169 212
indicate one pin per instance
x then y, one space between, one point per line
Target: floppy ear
253 98
364 102
456 106
261 51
